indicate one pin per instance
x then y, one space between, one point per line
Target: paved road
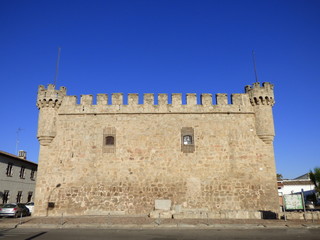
159 234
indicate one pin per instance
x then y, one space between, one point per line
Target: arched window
187 140
110 140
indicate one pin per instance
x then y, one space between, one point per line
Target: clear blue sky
165 47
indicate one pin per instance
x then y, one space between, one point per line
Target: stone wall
229 168
310 215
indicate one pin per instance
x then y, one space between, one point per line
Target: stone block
295 215
214 215
162 204
177 208
240 214
255 215
161 214
166 214
155 214
178 216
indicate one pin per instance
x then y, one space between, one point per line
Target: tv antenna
18 139
254 65
57 67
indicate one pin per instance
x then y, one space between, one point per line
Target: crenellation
222 99
117 98
102 99
267 86
236 99
162 99
148 99
206 99
176 99
51 87
191 99
41 88
239 99
86 100
69 101
133 99
103 105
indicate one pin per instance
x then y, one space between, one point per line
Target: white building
289 186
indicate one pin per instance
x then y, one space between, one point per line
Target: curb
161 226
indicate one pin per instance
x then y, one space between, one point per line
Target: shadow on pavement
35 236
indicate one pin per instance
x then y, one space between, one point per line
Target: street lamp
51 204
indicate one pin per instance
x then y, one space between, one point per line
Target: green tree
315 178
279 176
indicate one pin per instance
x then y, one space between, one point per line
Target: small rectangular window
5 196
29 196
19 196
32 175
9 170
109 140
187 140
22 172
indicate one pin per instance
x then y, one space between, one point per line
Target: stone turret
48 102
262 100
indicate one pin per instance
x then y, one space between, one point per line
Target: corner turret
48 102
262 100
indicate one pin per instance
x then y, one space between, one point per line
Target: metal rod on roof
254 65
57 67
18 140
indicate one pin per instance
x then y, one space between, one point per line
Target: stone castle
115 158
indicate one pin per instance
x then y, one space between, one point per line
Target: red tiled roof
296 182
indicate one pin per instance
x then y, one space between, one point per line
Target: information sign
293 202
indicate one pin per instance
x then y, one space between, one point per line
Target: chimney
22 154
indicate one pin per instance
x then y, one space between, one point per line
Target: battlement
261 95
151 103
50 97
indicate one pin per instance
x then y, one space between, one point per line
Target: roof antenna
254 65
57 67
18 139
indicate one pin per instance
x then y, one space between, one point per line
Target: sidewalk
121 222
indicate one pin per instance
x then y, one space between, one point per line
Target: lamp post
51 204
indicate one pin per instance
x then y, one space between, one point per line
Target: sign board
293 202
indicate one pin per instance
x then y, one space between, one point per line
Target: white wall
288 189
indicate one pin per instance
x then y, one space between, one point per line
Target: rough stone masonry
116 158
